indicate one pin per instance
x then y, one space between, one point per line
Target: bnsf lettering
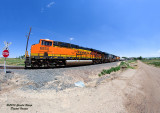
44 48
83 53
93 53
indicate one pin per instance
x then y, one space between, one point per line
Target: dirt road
145 96
130 91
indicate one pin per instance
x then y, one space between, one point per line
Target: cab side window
55 43
47 43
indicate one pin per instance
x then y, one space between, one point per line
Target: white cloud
50 4
43 9
71 38
158 51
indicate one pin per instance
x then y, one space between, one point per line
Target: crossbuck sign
7 45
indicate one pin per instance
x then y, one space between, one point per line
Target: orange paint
39 50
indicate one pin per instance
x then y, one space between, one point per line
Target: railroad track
20 67
67 66
12 67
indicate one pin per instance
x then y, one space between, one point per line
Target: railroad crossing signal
5 53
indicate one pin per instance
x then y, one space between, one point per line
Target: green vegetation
13 61
125 57
21 57
155 62
131 61
126 64
140 58
114 69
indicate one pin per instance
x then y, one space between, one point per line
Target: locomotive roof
80 47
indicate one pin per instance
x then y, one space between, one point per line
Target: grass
13 61
127 64
155 62
132 61
114 69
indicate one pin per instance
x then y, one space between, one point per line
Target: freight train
49 53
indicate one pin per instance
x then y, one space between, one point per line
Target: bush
99 75
114 69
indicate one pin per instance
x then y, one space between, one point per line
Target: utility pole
26 53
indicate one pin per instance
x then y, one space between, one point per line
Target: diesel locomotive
49 53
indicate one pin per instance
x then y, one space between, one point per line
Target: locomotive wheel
34 65
25 65
46 64
64 62
93 62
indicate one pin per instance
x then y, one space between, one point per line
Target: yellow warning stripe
34 54
61 55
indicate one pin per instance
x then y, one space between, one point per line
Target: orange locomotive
52 53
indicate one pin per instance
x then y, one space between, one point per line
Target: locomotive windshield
47 43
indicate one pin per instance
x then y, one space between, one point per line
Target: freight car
49 53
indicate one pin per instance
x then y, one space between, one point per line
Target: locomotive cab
43 48
39 51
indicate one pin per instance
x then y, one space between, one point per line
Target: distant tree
21 57
135 58
124 57
140 58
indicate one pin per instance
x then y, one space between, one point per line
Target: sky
129 28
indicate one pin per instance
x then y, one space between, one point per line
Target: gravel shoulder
58 78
